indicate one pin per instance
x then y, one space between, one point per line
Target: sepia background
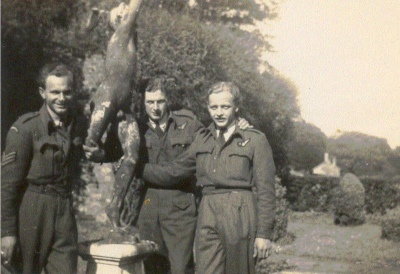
320 79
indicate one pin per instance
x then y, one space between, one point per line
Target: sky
344 58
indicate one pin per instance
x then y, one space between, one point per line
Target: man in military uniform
41 155
235 224
168 214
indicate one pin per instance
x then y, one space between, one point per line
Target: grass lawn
314 245
319 246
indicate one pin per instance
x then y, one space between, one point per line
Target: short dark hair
155 84
227 86
56 69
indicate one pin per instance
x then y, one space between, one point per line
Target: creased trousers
225 233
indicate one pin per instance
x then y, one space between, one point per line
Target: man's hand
262 248
243 124
7 248
94 153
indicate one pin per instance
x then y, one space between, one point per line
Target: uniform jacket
37 152
244 161
181 130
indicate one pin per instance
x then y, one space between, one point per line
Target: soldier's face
156 105
58 94
222 108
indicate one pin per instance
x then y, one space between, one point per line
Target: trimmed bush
317 192
391 229
350 201
311 193
381 194
390 223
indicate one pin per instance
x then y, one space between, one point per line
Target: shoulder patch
244 143
185 113
182 126
26 117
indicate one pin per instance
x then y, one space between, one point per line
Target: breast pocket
239 163
179 145
203 160
52 156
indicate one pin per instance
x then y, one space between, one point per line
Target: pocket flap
182 140
241 151
182 202
45 142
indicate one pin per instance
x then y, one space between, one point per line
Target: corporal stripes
8 158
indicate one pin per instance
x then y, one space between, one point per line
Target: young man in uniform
235 225
42 153
168 214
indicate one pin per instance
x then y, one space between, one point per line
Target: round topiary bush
349 201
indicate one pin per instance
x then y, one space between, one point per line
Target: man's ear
42 92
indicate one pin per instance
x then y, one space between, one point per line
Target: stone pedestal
116 258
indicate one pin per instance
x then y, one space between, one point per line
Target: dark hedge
317 192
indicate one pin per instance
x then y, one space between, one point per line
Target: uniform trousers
48 233
225 233
168 217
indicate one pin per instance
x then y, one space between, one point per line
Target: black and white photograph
200 136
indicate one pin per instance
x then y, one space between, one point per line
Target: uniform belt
216 189
184 187
50 190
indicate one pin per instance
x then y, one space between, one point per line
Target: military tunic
230 215
39 164
168 214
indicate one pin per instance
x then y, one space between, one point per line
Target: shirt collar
48 121
164 125
228 132
56 119
233 130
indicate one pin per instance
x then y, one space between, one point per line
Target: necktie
221 138
158 129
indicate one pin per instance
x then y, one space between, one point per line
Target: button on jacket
244 161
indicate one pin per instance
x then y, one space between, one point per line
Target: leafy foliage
317 193
193 56
184 48
381 194
361 154
307 146
311 193
390 223
394 159
349 201
282 213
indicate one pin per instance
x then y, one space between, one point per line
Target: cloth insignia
244 143
9 158
14 128
182 126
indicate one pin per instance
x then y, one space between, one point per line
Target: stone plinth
116 258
